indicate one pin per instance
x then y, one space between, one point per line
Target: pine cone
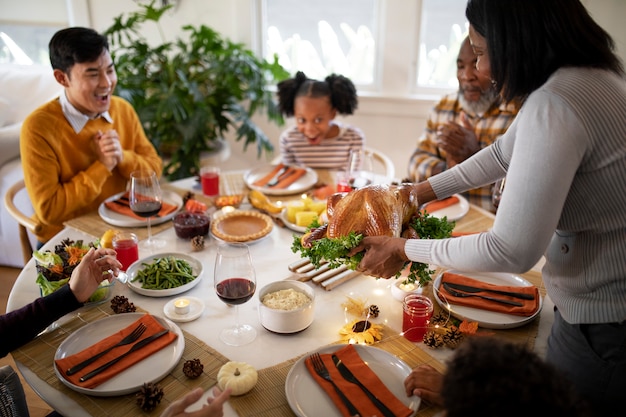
120 304
149 396
453 337
193 368
374 311
433 340
439 320
197 243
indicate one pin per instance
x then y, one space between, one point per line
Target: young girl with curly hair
318 140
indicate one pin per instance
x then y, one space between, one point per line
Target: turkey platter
375 210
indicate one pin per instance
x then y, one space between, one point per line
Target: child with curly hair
318 140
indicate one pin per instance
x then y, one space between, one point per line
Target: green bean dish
165 273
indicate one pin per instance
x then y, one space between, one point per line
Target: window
442 30
306 37
353 37
25 44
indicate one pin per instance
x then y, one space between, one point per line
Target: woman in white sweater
564 158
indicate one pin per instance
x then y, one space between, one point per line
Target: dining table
273 355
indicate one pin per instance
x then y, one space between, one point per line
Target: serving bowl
188 225
138 266
287 321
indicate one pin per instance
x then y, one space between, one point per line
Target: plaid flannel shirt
487 127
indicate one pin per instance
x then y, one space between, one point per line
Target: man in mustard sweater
80 148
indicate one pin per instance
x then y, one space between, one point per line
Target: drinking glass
145 201
360 168
235 283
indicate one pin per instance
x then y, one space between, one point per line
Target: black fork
322 371
134 335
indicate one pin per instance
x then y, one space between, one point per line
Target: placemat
38 356
93 224
268 398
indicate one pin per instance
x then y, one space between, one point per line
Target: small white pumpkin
240 377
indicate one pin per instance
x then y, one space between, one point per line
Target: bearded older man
461 124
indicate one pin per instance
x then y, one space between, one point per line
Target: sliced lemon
106 241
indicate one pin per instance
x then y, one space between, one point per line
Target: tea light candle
224 210
181 306
400 290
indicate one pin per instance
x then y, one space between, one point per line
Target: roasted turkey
375 210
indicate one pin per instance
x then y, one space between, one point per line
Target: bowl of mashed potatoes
286 306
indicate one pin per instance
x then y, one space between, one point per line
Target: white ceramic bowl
287 321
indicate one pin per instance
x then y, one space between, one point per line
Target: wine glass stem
149 231
237 325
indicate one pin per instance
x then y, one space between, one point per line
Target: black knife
349 376
469 288
135 347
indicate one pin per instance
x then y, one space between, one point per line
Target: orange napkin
459 234
528 309
122 206
440 204
262 181
289 177
153 327
350 357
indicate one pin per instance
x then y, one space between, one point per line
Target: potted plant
189 92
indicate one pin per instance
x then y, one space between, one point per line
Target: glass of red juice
126 246
416 315
343 182
210 180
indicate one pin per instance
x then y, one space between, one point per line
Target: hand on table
214 407
425 382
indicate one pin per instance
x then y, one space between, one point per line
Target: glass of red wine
145 201
235 283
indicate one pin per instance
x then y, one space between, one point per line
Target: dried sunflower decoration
360 330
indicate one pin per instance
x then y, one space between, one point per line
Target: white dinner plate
307 399
303 183
118 219
196 307
455 211
137 266
485 318
151 369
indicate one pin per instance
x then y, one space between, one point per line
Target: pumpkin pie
241 226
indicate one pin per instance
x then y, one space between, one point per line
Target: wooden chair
25 223
384 161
